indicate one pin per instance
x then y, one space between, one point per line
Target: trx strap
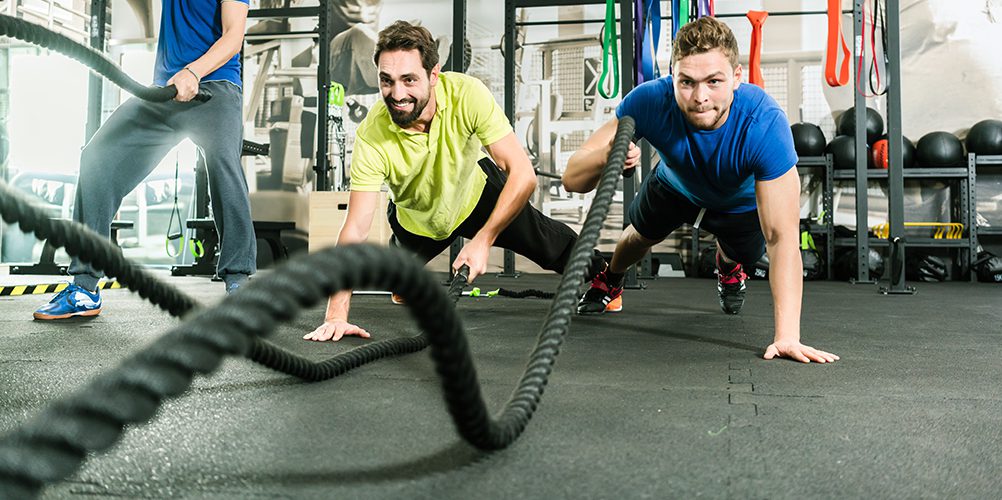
174 235
610 44
757 18
652 36
831 54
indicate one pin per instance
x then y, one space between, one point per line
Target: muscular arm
584 168
779 214
511 158
361 208
234 21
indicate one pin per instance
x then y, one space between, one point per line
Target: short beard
711 126
403 119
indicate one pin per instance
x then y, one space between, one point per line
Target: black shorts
531 234
658 210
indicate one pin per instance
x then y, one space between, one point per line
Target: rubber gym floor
668 399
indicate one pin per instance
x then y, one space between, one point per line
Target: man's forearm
222 51
787 282
337 306
339 303
512 200
584 169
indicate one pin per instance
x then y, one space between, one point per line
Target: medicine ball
808 139
880 153
843 150
985 138
874 124
940 149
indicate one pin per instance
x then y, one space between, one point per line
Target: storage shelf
909 173
988 160
280 13
811 161
909 242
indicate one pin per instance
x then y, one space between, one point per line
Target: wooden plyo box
328 211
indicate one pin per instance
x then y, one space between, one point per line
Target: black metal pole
627 81
895 181
458 63
99 19
862 201
322 167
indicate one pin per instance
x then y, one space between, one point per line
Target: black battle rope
52 446
39 35
15 207
521 294
276 358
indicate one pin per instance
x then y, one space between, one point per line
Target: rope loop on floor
52 445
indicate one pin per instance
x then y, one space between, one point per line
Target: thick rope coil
51 446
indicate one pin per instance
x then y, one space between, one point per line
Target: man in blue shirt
727 166
198 47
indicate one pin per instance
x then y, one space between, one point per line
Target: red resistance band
757 18
834 38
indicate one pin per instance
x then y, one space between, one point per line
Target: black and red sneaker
730 286
602 297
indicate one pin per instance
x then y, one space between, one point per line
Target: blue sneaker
74 300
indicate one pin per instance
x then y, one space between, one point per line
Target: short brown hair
403 35
703 35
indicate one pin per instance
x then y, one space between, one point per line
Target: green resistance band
610 44
335 96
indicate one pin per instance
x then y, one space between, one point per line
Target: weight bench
47 261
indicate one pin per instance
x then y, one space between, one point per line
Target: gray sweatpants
132 143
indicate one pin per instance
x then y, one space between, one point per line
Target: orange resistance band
757 18
834 37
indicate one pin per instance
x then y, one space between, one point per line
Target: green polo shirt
434 177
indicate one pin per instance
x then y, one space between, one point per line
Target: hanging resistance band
652 36
679 15
705 8
757 18
610 44
831 55
638 42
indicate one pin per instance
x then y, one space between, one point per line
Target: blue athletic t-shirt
187 29
714 169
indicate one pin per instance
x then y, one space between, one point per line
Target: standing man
424 141
727 166
199 46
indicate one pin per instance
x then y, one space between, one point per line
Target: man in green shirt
425 142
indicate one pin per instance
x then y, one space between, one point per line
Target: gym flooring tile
669 399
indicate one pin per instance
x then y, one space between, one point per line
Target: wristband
193 72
